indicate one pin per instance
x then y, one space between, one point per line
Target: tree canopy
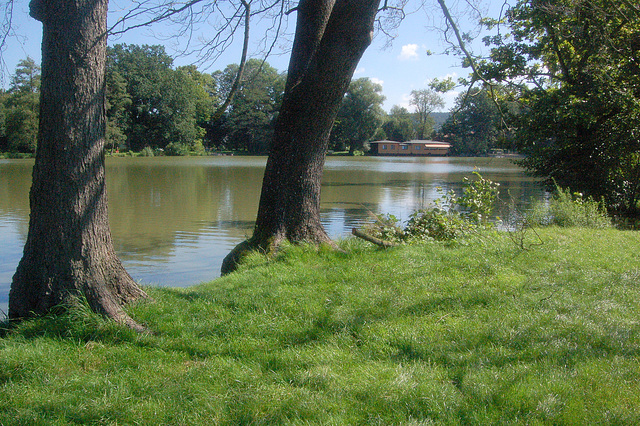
575 66
476 126
247 124
425 102
359 116
19 109
399 125
153 104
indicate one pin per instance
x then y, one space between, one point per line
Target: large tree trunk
331 36
69 251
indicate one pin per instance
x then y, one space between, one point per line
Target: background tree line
154 106
19 109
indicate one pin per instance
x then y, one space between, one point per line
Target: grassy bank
482 333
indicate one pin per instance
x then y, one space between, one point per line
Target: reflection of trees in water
156 204
15 182
414 184
516 188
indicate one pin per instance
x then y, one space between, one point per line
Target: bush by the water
147 151
568 209
175 149
449 218
452 217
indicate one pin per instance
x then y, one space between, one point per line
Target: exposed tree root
231 261
234 258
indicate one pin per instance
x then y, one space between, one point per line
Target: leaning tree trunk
69 251
331 36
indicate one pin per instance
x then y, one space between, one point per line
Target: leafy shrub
176 149
478 198
198 148
16 155
567 210
436 224
147 151
448 219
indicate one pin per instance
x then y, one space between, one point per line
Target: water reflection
174 219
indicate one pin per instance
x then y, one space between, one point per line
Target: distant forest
439 118
157 108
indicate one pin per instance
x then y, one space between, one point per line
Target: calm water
174 219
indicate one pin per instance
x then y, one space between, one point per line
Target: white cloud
359 71
377 81
409 52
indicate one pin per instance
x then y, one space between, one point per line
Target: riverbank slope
481 332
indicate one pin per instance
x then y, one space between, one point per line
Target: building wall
410 149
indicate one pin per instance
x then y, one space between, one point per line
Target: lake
173 219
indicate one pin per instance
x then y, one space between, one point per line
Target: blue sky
406 63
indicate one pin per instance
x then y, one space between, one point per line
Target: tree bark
331 36
69 251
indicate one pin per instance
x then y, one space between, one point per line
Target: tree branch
5 31
166 15
461 43
373 240
472 61
243 60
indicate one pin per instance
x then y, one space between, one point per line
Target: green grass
474 333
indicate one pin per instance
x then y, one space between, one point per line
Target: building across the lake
410 148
